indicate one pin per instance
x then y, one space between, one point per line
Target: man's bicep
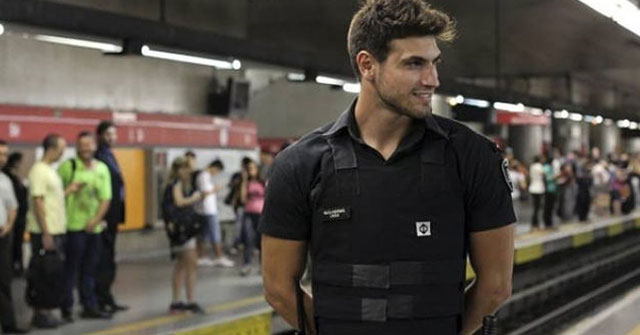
283 259
491 252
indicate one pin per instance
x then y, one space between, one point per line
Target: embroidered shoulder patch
505 174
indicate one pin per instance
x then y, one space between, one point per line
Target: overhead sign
515 119
29 125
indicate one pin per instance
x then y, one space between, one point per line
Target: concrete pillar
605 137
526 141
570 135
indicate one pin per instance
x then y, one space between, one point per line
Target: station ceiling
561 42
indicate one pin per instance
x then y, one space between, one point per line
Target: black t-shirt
288 209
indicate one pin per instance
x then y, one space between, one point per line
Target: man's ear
367 65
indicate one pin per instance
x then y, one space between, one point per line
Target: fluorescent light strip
1 29
476 103
509 107
351 87
329 81
623 123
624 12
293 76
575 117
219 64
74 42
563 114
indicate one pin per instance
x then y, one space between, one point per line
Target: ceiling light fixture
329 81
509 107
623 12
476 103
563 114
75 42
217 63
294 76
351 87
1 29
575 117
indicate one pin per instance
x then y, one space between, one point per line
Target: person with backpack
183 226
46 224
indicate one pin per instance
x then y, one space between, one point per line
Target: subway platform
235 305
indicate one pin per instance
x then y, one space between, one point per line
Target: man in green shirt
85 209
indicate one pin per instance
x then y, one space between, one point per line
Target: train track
554 302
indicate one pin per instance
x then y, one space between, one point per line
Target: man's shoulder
306 151
463 138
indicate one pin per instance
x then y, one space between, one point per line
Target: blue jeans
211 229
82 252
249 235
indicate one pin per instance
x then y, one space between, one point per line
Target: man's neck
87 162
380 127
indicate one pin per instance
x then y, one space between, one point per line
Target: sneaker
177 307
194 308
204 261
245 271
67 316
223 262
44 321
94 313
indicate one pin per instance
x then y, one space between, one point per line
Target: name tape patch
335 214
423 228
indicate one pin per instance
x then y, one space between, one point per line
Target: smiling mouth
425 96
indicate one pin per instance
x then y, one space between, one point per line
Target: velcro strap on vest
394 274
392 307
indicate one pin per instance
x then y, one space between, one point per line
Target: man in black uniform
390 199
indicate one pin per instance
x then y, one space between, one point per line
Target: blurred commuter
233 199
46 217
601 178
207 209
518 180
620 191
8 213
14 164
266 160
536 190
252 195
107 137
584 181
550 192
182 197
86 206
567 192
634 179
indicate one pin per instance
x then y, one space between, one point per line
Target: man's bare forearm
285 303
481 300
40 215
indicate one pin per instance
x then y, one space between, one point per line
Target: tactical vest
385 247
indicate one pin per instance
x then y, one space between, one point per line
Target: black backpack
44 280
180 223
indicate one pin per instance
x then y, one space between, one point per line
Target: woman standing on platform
252 195
536 190
184 197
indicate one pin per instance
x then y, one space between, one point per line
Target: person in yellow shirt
46 219
85 209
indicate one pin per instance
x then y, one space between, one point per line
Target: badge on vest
423 228
336 214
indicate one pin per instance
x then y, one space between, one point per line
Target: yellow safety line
635 331
167 319
528 254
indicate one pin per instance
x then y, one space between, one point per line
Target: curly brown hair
378 22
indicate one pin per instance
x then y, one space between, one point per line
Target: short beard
396 107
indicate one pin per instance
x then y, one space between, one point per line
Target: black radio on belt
489 325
